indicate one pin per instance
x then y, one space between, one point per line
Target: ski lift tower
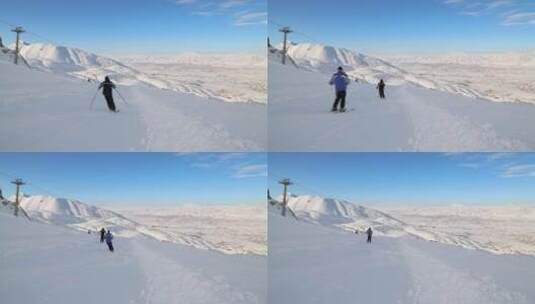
285 182
286 30
18 182
19 30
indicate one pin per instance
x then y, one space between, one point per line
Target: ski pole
122 98
93 100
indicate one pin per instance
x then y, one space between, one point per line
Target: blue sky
408 26
144 179
409 179
140 26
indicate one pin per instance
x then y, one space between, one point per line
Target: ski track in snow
438 283
167 281
438 129
409 119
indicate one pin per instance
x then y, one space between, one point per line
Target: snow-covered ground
231 77
231 229
501 229
507 77
311 263
416 115
47 108
43 263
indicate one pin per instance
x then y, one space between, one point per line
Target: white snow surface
43 263
310 263
233 229
43 111
411 118
499 230
202 227
504 77
231 77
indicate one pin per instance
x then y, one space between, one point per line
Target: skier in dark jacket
102 233
109 238
107 90
381 88
369 232
340 82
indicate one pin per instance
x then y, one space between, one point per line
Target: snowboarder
102 233
340 82
107 87
381 88
369 232
109 237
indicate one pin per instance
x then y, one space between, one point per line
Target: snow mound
345 215
81 64
60 210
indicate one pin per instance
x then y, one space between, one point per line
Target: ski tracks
435 282
437 129
169 128
167 281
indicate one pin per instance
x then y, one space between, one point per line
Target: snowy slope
44 263
434 224
232 229
311 263
43 111
499 229
230 77
325 59
200 75
504 77
146 223
412 118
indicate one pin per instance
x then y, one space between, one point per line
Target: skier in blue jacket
109 238
340 80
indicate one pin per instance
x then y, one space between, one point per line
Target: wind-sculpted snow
231 229
43 263
310 263
231 77
500 229
504 77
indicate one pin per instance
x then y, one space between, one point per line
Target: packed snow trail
309 263
45 263
47 112
409 119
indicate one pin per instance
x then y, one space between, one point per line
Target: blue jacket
340 81
108 237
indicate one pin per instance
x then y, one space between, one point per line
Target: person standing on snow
107 90
109 238
102 233
381 87
340 82
369 232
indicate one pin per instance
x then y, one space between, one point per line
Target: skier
107 87
102 233
381 88
369 232
109 237
340 82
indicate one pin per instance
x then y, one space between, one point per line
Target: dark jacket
107 86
